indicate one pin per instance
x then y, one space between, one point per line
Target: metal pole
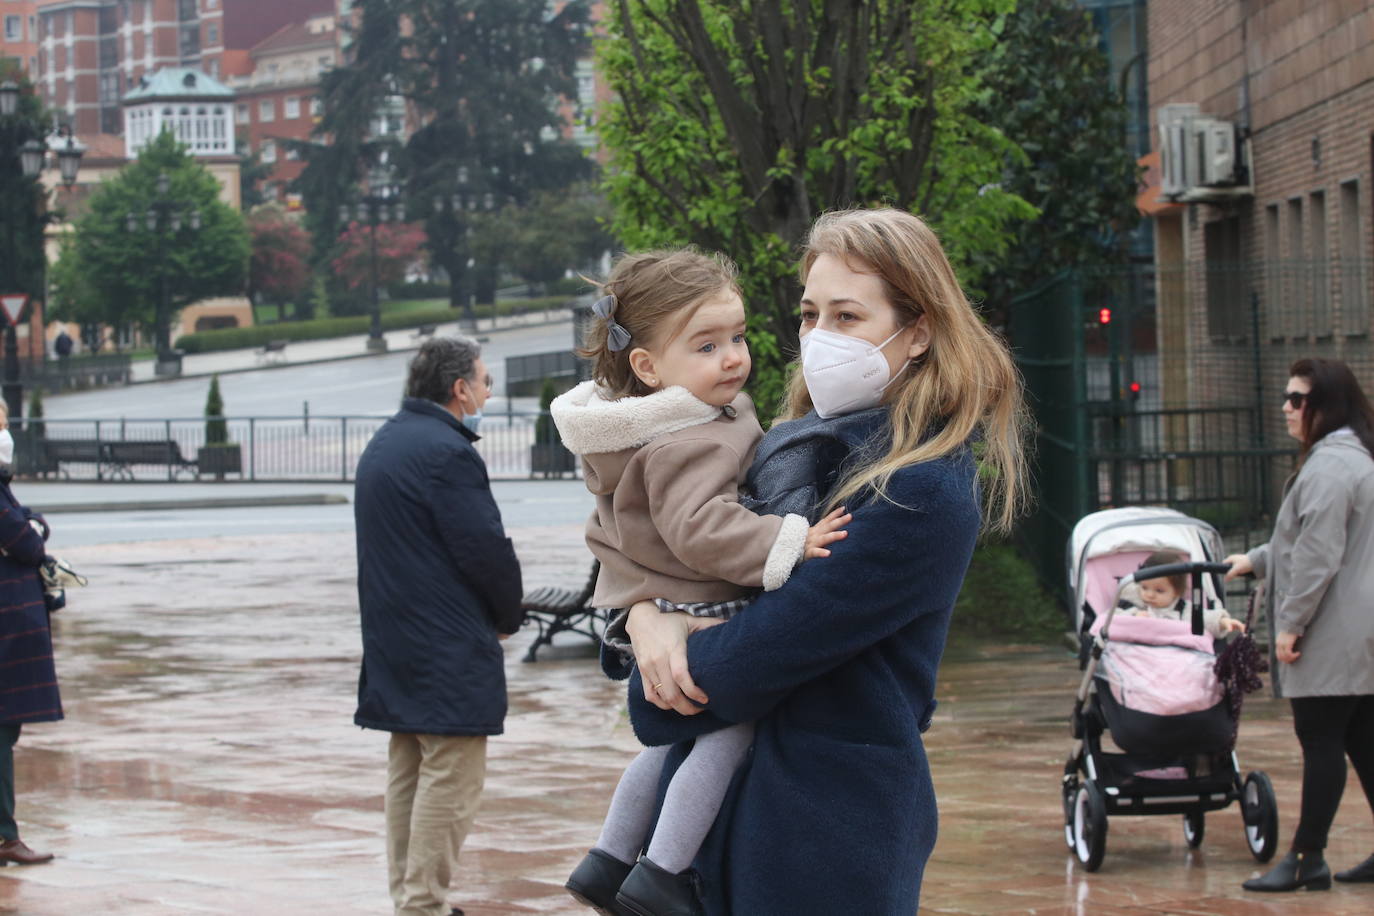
375 341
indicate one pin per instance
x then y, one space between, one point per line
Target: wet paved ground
208 763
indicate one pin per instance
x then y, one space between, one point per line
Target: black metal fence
310 448
1161 387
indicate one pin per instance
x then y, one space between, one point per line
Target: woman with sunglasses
1319 567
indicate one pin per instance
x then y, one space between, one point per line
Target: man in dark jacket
438 586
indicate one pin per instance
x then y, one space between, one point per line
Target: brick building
277 83
19 33
1262 214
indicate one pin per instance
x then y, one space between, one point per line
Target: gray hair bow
617 338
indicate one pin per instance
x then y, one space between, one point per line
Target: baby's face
1158 593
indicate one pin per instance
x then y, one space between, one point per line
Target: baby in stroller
1163 599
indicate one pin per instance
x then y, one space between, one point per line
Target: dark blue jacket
437 579
834 812
28 677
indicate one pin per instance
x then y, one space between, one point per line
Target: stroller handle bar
1175 569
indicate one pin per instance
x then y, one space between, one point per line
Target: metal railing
298 448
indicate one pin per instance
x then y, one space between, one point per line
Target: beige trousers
433 787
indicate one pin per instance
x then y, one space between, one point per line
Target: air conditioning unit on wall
1199 156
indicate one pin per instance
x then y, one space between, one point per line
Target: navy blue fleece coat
833 812
437 580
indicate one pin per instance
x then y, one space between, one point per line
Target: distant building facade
19 33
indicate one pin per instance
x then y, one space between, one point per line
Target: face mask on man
845 374
6 447
472 420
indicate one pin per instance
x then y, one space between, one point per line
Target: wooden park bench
273 351
560 610
424 330
119 457
56 452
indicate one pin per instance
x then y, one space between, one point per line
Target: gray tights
689 808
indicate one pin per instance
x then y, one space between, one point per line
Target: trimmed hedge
347 326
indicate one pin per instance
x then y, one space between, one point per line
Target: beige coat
1319 564
666 471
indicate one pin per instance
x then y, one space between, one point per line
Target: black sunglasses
1294 399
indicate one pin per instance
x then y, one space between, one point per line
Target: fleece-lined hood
592 423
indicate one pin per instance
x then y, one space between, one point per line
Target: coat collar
592 423
428 408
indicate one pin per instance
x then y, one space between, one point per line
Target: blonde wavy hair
963 388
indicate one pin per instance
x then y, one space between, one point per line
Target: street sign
14 305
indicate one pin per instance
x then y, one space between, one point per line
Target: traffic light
1104 316
1134 388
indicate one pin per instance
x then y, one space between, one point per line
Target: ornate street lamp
380 205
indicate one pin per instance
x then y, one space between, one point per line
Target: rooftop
178 83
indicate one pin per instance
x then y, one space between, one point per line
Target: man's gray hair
441 362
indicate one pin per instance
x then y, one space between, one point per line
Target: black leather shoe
1364 872
20 854
1295 870
596 880
651 891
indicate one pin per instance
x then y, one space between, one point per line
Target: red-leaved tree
279 270
400 246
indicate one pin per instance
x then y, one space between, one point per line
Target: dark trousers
1330 729
9 734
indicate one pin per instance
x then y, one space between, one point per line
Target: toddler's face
1158 593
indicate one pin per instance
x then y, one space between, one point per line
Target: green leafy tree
558 231
22 200
481 79
736 124
216 430
253 173
110 273
1052 93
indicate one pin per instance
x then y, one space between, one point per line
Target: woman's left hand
1284 648
659 642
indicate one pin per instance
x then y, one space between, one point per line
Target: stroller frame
1097 784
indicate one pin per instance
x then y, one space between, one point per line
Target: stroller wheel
1194 826
1090 825
1069 790
1260 811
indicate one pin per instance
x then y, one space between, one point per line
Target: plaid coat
28 678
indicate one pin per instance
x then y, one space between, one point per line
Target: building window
267 110
269 151
1227 280
293 107
214 68
1273 272
1354 266
1295 289
243 116
324 62
1319 267
14 28
292 154
212 34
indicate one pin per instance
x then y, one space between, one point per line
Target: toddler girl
666 438
1164 598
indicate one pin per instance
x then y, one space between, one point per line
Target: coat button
729 411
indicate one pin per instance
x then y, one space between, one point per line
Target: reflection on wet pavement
209 764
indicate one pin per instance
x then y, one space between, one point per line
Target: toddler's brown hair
655 294
1166 557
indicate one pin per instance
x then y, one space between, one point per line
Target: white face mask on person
6 447
845 374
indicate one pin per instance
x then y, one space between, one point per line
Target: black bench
560 610
273 351
119 457
55 452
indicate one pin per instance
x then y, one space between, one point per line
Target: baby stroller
1149 684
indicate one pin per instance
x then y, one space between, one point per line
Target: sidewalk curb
479 335
211 502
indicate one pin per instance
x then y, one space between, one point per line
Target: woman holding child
1319 569
832 808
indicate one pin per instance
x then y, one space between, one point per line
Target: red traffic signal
1104 316
1134 388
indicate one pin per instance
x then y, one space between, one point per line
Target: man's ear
920 341
642 365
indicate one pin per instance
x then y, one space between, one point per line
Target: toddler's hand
1231 625
827 531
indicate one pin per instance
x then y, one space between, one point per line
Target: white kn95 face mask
844 374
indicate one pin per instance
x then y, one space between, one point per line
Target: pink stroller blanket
1159 666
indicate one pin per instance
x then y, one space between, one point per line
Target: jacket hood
591 423
1340 439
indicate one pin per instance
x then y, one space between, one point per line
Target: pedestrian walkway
302 352
208 763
